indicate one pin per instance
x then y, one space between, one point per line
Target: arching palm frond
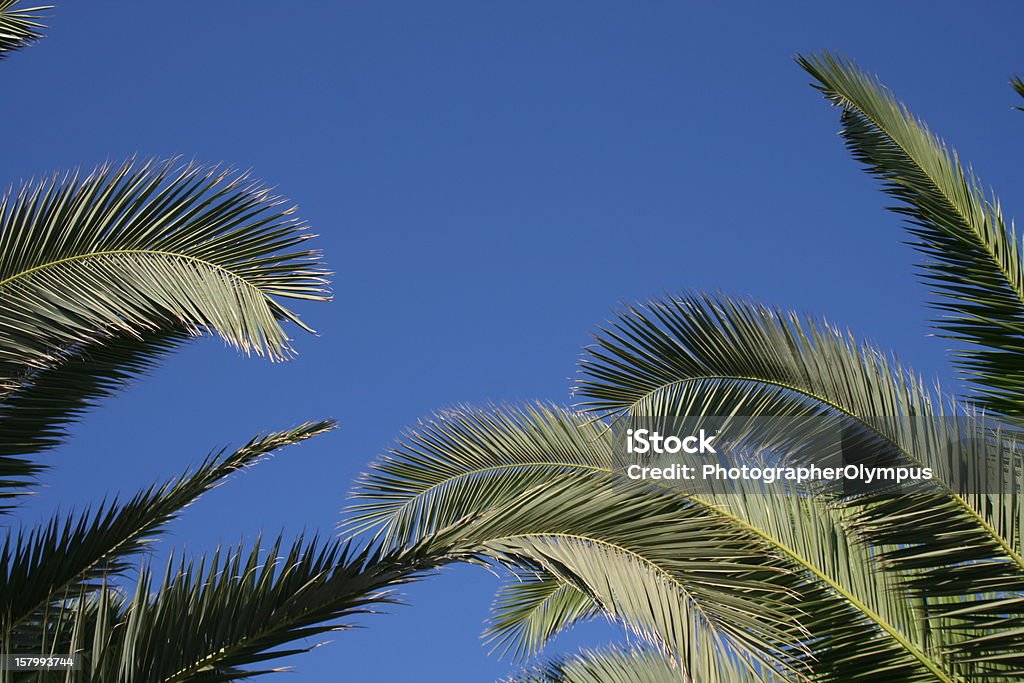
224 617
42 569
713 355
103 275
548 473
532 607
973 254
139 248
19 26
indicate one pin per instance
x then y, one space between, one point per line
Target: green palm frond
713 355
680 581
973 258
19 26
517 487
620 665
470 462
533 607
144 247
223 618
463 461
42 569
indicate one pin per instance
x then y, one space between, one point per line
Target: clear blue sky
489 180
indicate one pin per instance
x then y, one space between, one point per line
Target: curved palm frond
467 463
222 618
684 583
973 255
143 247
533 607
43 569
102 276
19 26
713 355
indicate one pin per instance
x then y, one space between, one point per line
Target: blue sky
489 181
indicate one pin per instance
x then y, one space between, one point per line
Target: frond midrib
12 279
481 470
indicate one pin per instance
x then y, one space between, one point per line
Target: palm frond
463 461
973 259
712 355
467 464
142 248
223 618
19 26
684 583
44 568
533 607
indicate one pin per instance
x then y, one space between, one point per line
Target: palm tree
101 276
751 584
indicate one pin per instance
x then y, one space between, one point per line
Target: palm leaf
1018 85
224 618
682 583
712 355
972 255
141 248
532 608
19 26
45 567
467 463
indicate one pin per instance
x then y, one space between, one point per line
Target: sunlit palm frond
973 254
468 464
143 247
532 607
470 459
101 276
19 26
683 582
714 355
